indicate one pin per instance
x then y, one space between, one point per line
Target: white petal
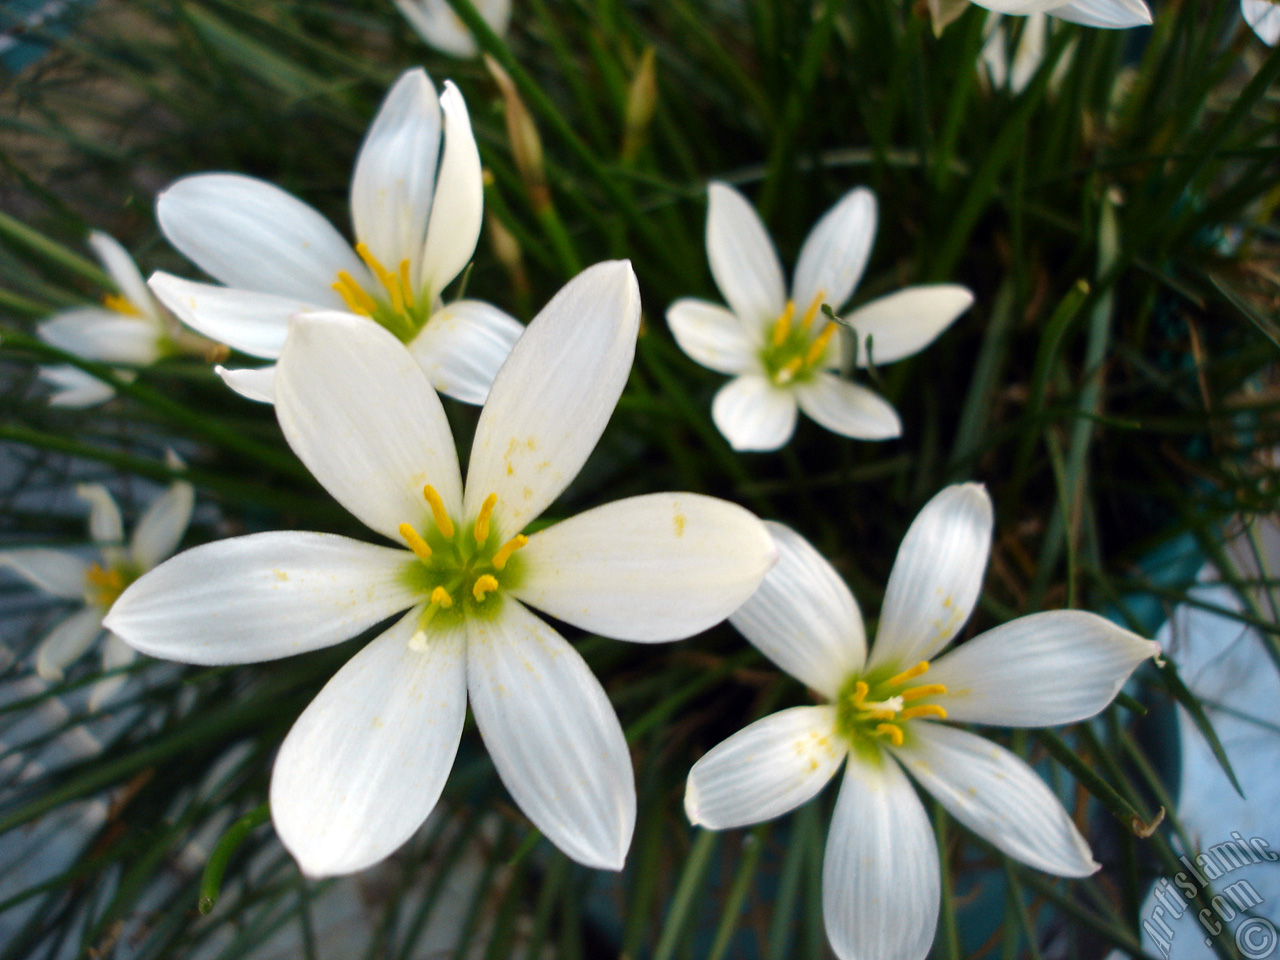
765 770
67 642
365 763
1264 17
396 170
753 414
440 27
711 335
463 346
880 873
115 654
848 409
103 335
257 384
75 389
906 322
263 596
105 525
1019 8
457 212
162 526
997 796
124 272
1113 14
247 233
552 398
936 577
358 411
743 261
53 571
552 734
804 618
253 323
1040 670
835 253
651 568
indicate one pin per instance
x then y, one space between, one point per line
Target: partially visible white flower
1264 17
881 873
1012 69
782 351
439 27
98 585
1108 14
415 228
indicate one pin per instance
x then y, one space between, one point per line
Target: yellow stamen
482 521
925 710
405 287
507 549
909 674
483 586
782 327
389 281
419 546
927 690
440 598
892 732
120 304
860 691
438 512
354 294
792 367
812 310
104 579
818 348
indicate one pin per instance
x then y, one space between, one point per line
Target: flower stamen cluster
399 310
867 710
102 585
791 353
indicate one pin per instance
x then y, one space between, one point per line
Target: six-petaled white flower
415 232
365 763
439 27
783 351
881 872
70 576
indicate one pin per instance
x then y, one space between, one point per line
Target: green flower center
793 354
103 585
872 709
396 306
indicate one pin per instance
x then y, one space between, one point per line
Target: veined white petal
358 411
712 336
67 642
766 769
396 171
104 335
936 577
847 408
835 253
457 212
247 233
552 398
880 874
743 260
552 734
1041 670
257 384
75 389
105 525
263 596
1112 14
160 530
753 414
115 654
463 346
651 568
116 261
253 323
997 796
1264 17
53 571
804 618
365 763
906 322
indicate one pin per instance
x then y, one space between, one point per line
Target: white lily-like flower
441 28
1107 14
366 762
98 585
880 876
1264 17
781 350
415 232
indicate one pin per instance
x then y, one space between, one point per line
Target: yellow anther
811 311
375 265
926 690
860 691
891 731
438 512
782 328
482 520
909 674
818 349
120 304
789 371
507 549
419 546
483 586
925 710
104 579
355 296
405 287
440 598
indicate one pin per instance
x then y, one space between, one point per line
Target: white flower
439 27
1111 14
69 576
880 876
366 762
1014 69
1264 17
414 230
781 350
